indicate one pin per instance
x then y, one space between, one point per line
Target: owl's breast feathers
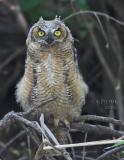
56 75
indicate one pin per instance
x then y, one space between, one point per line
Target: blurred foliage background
102 67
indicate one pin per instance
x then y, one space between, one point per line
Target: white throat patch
50 69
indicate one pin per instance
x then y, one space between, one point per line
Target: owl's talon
67 124
56 122
64 123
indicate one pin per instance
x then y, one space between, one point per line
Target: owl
51 71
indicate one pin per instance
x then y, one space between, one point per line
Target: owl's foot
56 122
67 124
63 124
61 128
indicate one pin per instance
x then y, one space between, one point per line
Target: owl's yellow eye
57 33
41 33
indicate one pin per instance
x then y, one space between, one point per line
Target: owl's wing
75 56
84 85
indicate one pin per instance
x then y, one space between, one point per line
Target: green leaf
115 145
119 143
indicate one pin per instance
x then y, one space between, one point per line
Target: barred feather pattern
56 76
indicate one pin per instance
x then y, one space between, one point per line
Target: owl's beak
50 38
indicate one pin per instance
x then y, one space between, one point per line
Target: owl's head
46 34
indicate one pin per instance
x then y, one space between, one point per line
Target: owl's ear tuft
57 18
41 18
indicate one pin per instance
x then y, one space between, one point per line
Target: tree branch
100 119
94 13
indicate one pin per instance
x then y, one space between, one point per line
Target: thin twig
84 151
94 13
86 158
109 153
102 59
47 130
16 10
70 141
10 150
93 143
100 119
95 129
40 152
20 134
29 147
102 29
32 135
12 57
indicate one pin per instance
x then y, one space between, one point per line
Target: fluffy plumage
51 71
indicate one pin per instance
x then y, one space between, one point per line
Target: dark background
102 67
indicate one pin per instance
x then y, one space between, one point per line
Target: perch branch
8 119
100 119
96 129
11 117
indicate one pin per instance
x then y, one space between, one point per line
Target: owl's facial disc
48 36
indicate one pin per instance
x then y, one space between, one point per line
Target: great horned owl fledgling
51 71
